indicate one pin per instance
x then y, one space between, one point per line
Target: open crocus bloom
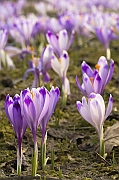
96 80
60 41
93 110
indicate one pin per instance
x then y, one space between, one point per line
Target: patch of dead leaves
111 137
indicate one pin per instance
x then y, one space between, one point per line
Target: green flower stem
35 160
102 145
108 53
19 157
19 170
43 153
64 99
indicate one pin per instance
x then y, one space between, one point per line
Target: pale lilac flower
21 30
93 111
5 59
54 25
45 60
60 41
60 66
3 38
96 80
16 118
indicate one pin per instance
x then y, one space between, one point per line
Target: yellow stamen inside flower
43 20
31 48
59 60
67 17
32 52
32 95
114 30
97 66
92 79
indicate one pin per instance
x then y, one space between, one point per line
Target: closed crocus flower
60 41
54 95
46 62
96 80
105 35
60 66
14 114
93 111
35 104
5 59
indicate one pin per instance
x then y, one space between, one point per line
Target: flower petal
109 107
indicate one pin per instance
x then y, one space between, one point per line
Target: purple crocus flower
60 41
21 30
35 106
53 99
105 35
38 106
68 20
14 114
35 68
41 66
96 80
93 111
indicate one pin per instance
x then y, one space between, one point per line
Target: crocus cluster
32 108
60 59
93 109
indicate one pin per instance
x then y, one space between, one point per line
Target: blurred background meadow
34 34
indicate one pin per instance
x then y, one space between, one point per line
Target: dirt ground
74 142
